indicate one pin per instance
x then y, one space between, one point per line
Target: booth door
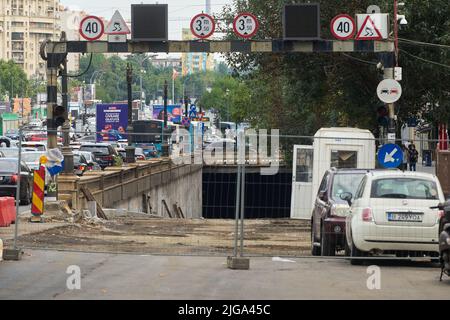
302 174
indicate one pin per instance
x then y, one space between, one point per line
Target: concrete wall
141 187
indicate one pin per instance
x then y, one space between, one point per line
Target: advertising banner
112 120
173 113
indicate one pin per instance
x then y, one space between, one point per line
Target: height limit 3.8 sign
91 28
245 25
343 27
202 26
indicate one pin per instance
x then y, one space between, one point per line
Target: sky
180 11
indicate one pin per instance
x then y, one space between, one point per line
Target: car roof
95 145
401 174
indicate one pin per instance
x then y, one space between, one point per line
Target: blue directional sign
193 112
390 156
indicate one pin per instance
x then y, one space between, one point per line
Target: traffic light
382 119
58 116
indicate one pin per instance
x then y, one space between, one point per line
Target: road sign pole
130 149
389 74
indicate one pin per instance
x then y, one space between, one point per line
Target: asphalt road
42 275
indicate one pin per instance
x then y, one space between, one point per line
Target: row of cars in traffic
377 212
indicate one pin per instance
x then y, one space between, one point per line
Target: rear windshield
31 157
8 166
404 188
345 182
102 151
39 147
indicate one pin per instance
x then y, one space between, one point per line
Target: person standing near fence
413 156
405 158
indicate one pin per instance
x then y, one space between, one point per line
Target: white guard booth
332 147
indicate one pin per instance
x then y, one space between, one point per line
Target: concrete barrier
126 187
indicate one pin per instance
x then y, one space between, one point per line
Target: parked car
139 154
89 156
80 164
14 152
330 211
40 146
88 138
9 178
104 153
32 159
391 214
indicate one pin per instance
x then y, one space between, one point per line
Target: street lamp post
165 146
130 151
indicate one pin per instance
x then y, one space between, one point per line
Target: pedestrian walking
404 166
413 156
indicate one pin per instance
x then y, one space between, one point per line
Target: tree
13 80
299 93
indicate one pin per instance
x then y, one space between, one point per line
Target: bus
149 135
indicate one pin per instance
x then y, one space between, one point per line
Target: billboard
174 113
112 121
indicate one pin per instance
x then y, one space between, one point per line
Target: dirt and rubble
149 235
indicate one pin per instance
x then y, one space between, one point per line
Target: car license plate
406 217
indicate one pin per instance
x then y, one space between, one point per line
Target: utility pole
130 149
165 146
66 149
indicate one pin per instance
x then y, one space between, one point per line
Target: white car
391 214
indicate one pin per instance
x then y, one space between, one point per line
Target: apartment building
193 62
24 24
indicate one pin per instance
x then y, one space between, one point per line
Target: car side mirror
323 195
347 196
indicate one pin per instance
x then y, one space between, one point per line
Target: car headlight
340 210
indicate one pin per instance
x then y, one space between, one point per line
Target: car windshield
8 165
38 147
10 152
103 151
404 188
31 156
345 182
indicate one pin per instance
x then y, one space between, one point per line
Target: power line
360 60
425 60
426 44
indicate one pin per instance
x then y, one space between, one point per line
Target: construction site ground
143 234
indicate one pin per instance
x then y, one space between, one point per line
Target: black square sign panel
149 22
301 21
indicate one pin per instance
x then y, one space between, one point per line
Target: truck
8 122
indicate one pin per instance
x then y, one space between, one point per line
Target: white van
332 147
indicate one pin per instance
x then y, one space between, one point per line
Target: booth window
304 165
344 159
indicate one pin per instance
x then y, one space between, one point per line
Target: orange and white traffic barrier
37 206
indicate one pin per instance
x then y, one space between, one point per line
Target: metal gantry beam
257 46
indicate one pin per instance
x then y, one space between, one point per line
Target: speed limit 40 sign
343 27
245 25
202 26
91 28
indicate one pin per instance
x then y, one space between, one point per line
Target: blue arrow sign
390 156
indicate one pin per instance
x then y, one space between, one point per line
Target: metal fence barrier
239 207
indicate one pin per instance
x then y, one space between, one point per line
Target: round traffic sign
389 91
343 27
203 26
91 28
245 25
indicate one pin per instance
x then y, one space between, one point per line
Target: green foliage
110 77
13 80
299 93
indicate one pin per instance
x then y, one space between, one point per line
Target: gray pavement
42 275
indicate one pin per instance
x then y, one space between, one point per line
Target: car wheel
315 250
327 243
25 198
355 252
